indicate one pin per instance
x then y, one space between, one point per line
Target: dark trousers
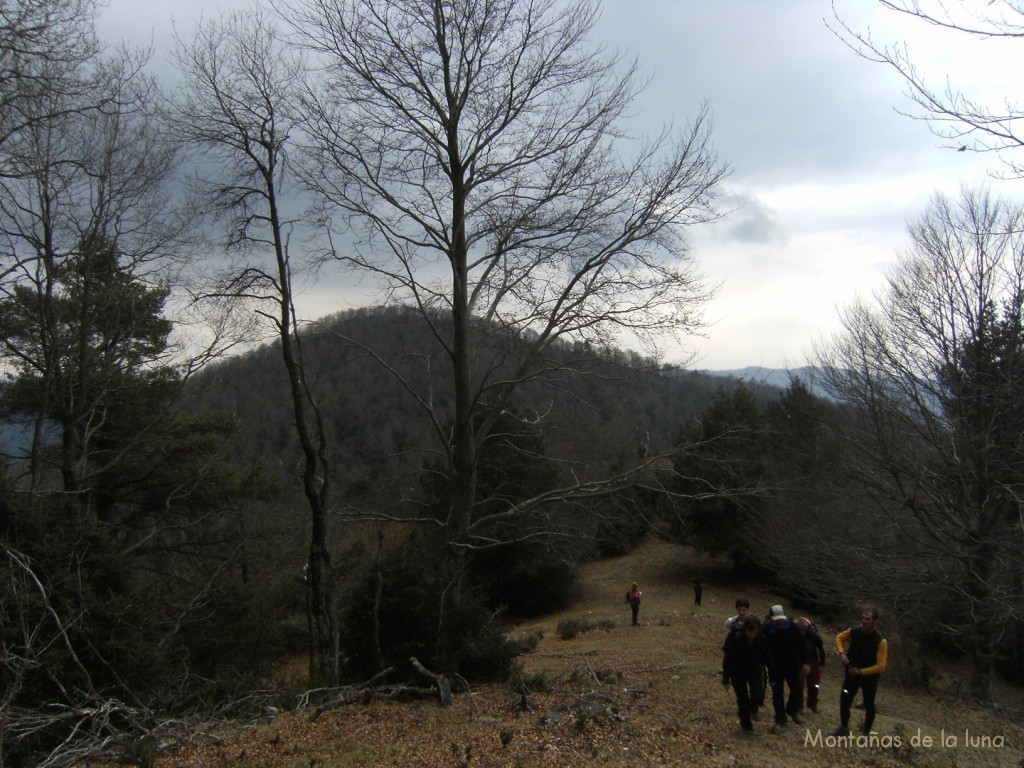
749 696
790 677
696 595
635 607
852 684
757 685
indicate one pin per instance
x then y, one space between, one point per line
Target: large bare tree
237 107
934 368
479 151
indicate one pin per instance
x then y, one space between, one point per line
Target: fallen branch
362 692
444 685
365 692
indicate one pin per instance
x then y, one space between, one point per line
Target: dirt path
639 696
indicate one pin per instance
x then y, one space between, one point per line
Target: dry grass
640 696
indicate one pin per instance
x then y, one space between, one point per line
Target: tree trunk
463 447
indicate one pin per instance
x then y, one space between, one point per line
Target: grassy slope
648 695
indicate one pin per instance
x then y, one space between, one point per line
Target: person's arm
880 658
841 640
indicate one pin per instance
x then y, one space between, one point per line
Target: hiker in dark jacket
699 582
790 659
733 626
746 656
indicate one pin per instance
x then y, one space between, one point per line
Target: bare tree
965 121
86 190
479 151
43 44
237 107
934 367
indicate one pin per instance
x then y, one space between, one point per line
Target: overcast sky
826 172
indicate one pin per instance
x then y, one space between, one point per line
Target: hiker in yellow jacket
863 652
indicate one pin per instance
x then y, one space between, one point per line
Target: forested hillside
358 362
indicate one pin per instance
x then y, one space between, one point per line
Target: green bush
519 681
408 619
525 580
569 628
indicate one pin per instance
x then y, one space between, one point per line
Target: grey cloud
751 221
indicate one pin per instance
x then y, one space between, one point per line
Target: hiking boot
842 730
755 715
797 718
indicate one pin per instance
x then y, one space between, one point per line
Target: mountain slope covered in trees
625 404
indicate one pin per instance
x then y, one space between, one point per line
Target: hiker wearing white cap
789 655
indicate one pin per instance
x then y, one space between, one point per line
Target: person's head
869 619
778 615
803 624
751 626
742 606
635 585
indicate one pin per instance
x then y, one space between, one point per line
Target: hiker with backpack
733 626
633 598
814 649
789 656
746 656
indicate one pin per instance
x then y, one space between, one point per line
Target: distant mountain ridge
776 377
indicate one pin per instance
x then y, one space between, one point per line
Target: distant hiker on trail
633 598
814 652
790 664
746 656
699 582
735 624
863 652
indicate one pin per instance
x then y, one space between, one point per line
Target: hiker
787 646
735 624
814 655
863 652
746 656
633 598
699 582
